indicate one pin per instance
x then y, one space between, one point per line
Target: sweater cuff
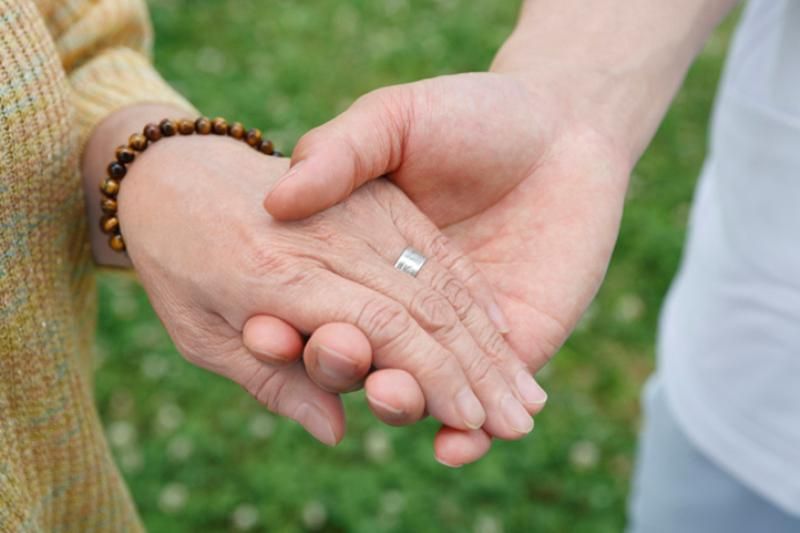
118 78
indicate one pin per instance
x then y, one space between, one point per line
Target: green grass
200 455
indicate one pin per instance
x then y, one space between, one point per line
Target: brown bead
219 126
117 170
236 130
202 126
185 126
125 155
266 147
116 243
109 224
138 142
108 205
253 137
110 186
152 132
168 127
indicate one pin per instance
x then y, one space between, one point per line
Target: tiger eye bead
185 126
152 132
117 170
110 186
116 243
138 142
168 127
202 126
236 130
253 137
125 155
219 126
109 206
109 224
266 147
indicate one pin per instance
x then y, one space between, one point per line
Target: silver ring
410 262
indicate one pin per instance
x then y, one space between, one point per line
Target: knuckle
440 249
383 322
269 389
464 268
493 344
455 292
453 260
281 266
480 371
430 367
433 311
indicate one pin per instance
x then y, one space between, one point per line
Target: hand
190 202
529 191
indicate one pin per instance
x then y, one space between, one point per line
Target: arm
620 63
524 168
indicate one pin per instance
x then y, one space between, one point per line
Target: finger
271 340
397 340
506 417
331 161
285 390
455 448
450 273
485 334
395 397
338 357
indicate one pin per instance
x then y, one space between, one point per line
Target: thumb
331 161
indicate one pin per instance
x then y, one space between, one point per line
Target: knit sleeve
105 51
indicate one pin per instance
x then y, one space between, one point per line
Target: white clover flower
154 366
180 448
630 307
169 417
378 446
393 502
131 460
584 455
121 433
488 524
173 497
245 517
314 515
262 426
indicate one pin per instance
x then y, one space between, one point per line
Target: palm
545 245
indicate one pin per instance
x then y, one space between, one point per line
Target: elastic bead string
138 142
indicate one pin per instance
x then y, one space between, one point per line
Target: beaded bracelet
138 142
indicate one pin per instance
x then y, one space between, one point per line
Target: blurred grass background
200 455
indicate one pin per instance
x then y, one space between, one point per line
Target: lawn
200 455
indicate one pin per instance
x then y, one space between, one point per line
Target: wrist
99 151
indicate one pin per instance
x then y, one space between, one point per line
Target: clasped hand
236 289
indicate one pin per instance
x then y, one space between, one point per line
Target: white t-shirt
729 342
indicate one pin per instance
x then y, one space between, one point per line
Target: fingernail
516 415
315 423
385 406
530 391
499 319
289 174
334 364
445 463
470 409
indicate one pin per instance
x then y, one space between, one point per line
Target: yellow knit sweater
64 66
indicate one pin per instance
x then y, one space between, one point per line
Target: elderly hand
514 174
210 258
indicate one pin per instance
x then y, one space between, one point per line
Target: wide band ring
410 261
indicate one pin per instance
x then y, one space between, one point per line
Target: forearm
619 63
107 136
